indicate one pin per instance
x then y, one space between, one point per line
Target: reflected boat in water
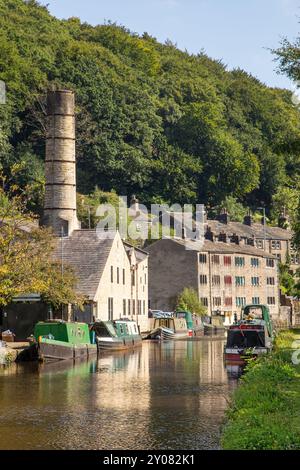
170 395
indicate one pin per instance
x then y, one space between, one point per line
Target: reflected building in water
169 395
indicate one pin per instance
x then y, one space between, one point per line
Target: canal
162 396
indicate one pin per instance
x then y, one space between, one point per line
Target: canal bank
265 408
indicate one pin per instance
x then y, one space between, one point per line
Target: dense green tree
188 300
151 120
288 56
26 263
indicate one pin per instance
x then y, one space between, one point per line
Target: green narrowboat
58 340
252 336
117 335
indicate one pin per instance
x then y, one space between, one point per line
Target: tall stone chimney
60 193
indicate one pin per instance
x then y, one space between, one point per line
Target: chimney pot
248 220
223 217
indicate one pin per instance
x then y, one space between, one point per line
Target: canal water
162 396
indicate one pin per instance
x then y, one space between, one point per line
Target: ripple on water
162 396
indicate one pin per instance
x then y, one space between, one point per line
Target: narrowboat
57 340
251 336
194 322
214 325
168 327
116 335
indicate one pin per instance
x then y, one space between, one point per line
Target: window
239 261
227 280
255 281
271 301
227 260
295 259
118 275
259 244
240 301
124 307
202 258
111 274
129 309
270 281
133 278
217 301
139 307
216 280
203 279
204 301
215 259
254 262
144 307
276 245
255 300
145 278
228 301
270 263
124 277
133 307
240 281
110 308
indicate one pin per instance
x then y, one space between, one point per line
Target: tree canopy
26 261
188 300
288 57
152 120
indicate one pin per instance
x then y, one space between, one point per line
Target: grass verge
265 410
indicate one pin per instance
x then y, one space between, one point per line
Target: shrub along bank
265 409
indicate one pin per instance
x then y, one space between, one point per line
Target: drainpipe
210 281
137 294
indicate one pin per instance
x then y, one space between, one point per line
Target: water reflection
161 396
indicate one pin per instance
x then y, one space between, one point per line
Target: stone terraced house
226 276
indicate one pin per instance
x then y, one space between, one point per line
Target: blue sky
237 31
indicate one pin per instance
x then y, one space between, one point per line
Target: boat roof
125 321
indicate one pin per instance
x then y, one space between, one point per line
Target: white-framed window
110 308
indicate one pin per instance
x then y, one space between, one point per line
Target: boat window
102 331
110 329
254 312
180 314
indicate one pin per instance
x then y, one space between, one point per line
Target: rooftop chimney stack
60 193
248 219
223 217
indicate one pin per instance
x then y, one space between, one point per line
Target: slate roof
140 254
255 230
87 254
220 247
